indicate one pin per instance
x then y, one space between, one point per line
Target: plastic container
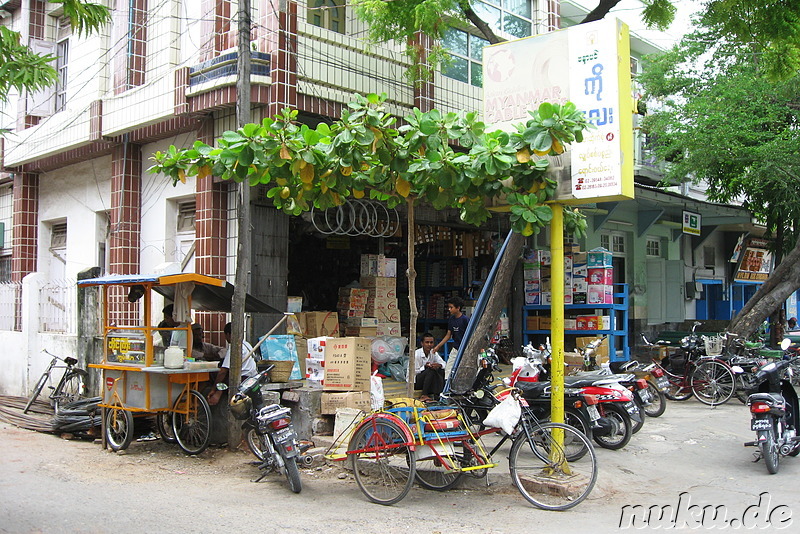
173 357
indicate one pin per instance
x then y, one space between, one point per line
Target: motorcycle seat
532 390
581 381
766 397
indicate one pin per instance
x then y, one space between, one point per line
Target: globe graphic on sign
500 66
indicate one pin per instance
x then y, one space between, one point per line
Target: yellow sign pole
557 313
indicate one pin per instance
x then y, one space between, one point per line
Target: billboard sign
589 65
756 262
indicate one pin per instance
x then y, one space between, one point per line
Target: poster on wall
756 262
589 65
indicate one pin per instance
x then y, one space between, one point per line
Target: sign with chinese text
589 65
756 262
691 223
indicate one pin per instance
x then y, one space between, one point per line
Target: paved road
689 458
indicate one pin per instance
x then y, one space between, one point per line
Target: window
653 247
466 57
509 17
62 61
185 235
186 217
6 218
58 250
613 241
327 14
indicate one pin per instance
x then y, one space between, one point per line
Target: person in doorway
248 366
202 350
456 326
430 370
792 324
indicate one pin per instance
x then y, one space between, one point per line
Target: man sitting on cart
202 350
248 366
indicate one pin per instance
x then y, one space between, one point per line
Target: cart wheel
119 428
164 426
191 422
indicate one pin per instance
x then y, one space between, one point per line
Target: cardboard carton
388 329
603 276
570 324
532 285
347 364
361 331
533 297
382 293
599 257
532 322
545 323
375 282
601 353
325 323
600 294
315 372
331 401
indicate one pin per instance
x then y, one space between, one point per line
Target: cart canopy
209 294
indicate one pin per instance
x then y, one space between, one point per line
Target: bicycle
552 465
70 388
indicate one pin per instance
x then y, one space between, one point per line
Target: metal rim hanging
357 217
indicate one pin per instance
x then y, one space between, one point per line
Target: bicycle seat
70 361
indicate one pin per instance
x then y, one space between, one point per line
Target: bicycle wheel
36 391
542 472
119 428
164 427
383 464
678 389
292 474
69 389
619 432
255 442
437 472
658 402
191 422
713 382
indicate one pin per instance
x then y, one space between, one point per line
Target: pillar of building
211 237
280 41
423 89
125 234
26 224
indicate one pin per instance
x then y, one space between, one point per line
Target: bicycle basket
281 370
713 345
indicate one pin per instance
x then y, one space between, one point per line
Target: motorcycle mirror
221 386
785 343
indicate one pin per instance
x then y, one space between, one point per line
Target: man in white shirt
430 370
248 366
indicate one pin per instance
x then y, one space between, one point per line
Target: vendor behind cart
248 366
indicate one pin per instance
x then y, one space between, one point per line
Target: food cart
134 379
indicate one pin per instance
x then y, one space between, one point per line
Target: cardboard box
302 351
353 292
544 257
348 362
353 313
580 285
546 284
531 274
325 323
532 285
315 347
599 257
362 321
382 293
580 271
604 276
359 400
545 323
601 353
532 322
375 282
600 294
570 324
315 372
294 304
579 297
547 297
388 316
380 303
390 267
579 258
361 331
533 297
388 329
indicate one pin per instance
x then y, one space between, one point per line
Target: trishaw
134 379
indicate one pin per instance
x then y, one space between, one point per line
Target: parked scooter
775 412
268 429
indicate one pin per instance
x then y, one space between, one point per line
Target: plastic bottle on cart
173 356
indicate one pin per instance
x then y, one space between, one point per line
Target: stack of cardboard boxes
379 280
346 379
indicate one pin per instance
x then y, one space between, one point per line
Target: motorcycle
268 430
775 413
610 406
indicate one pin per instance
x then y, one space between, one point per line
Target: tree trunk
772 294
412 303
243 224
602 9
468 367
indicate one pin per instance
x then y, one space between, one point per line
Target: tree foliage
717 116
22 69
365 154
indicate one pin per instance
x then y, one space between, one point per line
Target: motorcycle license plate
284 435
645 395
631 407
593 412
662 382
760 424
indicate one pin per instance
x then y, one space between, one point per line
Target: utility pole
241 283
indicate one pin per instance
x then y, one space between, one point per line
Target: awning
210 294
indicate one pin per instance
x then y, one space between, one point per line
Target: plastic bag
293 325
505 415
376 392
387 348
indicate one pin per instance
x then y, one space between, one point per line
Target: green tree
717 115
22 69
